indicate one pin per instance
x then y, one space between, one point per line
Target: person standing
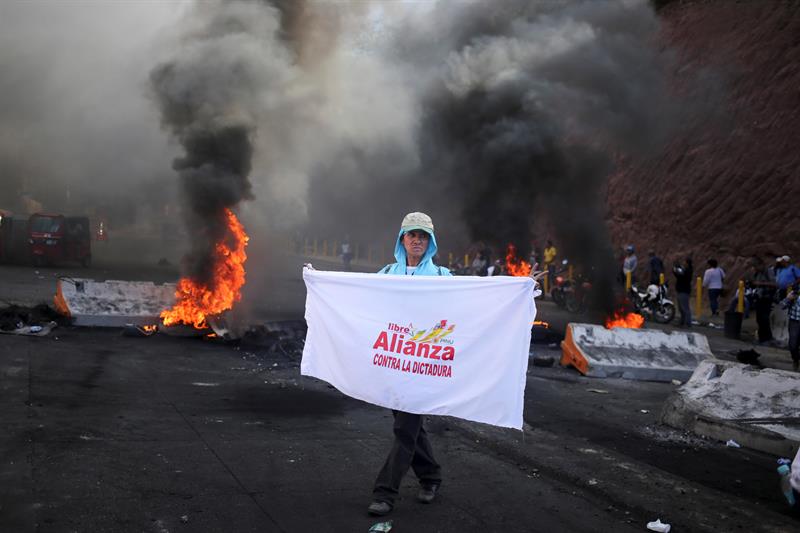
787 276
764 285
655 267
713 280
550 253
414 251
347 253
792 304
683 288
630 263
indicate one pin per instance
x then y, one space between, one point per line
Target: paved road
108 433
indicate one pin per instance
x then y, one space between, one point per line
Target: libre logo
433 343
420 343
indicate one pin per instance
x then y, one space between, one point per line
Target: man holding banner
420 342
414 251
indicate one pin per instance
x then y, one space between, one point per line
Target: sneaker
379 508
427 493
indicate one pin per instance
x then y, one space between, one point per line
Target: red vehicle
56 238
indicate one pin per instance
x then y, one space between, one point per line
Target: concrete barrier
112 303
723 400
644 354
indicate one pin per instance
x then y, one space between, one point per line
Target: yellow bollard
315 247
698 299
450 259
466 260
740 303
546 280
628 281
569 272
661 279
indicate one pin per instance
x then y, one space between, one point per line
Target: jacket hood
425 267
400 250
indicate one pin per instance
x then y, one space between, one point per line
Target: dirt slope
733 191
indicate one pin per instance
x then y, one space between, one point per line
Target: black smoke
211 94
524 109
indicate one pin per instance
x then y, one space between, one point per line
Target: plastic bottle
786 486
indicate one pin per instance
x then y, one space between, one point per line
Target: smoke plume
211 96
522 108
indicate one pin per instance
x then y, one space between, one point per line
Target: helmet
629 248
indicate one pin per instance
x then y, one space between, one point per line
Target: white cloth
475 331
795 479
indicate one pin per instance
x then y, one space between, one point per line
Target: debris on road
37 321
381 527
133 330
659 526
732 444
748 357
32 331
597 391
677 382
645 411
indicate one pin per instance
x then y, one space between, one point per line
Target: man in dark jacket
683 288
655 267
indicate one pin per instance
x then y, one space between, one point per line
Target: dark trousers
794 339
685 308
713 299
411 448
763 310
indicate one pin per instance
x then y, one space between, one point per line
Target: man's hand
537 274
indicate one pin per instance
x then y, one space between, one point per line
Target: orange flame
541 323
149 327
620 319
514 265
195 301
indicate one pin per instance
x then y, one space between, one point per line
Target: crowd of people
766 289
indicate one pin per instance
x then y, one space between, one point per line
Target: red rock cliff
734 191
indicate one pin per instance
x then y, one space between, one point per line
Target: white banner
454 346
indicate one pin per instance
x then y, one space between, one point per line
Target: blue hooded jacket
425 267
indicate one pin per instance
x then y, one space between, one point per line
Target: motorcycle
653 303
577 300
562 286
571 294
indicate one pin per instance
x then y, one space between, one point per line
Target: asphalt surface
112 433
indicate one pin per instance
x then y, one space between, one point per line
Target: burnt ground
111 433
